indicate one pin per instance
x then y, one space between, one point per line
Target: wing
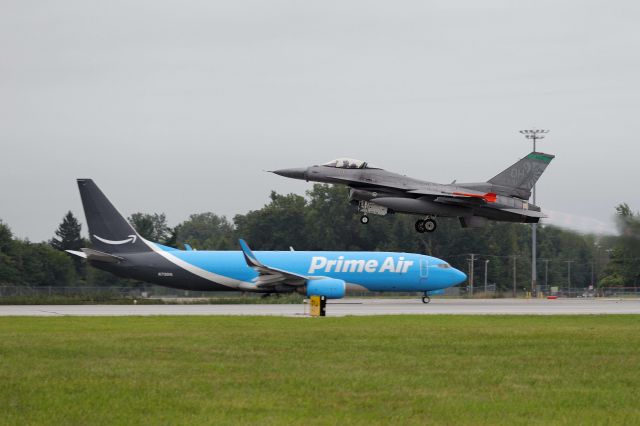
268 276
488 197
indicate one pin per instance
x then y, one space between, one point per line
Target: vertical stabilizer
519 179
108 230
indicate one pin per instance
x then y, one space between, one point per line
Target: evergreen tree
624 265
68 234
69 238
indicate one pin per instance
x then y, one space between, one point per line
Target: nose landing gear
426 225
364 219
425 298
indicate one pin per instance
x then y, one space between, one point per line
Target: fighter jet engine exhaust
584 224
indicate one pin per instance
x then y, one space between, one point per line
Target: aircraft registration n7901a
378 192
118 248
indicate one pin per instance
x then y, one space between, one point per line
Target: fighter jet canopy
349 163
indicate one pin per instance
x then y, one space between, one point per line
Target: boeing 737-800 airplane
119 249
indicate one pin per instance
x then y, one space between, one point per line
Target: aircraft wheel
426 299
364 220
430 225
420 226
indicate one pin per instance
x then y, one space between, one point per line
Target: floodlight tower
535 135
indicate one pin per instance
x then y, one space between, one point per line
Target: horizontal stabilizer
95 255
528 213
77 253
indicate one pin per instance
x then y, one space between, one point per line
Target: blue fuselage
373 271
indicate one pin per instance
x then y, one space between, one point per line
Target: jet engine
327 287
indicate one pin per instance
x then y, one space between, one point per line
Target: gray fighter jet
376 191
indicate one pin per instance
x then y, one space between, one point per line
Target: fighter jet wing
426 192
488 197
268 276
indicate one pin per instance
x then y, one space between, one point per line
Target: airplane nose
458 276
295 173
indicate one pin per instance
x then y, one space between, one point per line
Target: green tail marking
540 157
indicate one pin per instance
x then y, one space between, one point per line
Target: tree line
324 220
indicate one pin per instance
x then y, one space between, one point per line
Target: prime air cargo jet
502 198
118 248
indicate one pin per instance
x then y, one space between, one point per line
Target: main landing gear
426 225
364 219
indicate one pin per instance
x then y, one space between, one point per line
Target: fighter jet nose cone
295 173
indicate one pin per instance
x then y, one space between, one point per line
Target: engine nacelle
327 287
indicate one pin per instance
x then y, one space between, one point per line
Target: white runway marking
350 307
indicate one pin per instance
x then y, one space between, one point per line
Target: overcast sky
178 106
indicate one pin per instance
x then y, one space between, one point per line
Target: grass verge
353 370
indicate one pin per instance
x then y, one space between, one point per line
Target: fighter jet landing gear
426 299
426 225
367 207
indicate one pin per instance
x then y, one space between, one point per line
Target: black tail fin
519 179
108 230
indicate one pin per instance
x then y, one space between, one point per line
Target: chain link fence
28 294
14 294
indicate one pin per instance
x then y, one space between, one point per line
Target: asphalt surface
350 307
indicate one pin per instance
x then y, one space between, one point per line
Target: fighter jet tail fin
519 179
109 230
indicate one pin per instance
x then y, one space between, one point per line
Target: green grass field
261 370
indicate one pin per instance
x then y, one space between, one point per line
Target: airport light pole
546 273
534 135
515 274
569 262
471 272
486 263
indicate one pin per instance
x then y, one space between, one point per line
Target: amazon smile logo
132 239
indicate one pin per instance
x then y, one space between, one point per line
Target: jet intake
327 287
365 195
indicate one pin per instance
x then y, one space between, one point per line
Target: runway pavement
350 307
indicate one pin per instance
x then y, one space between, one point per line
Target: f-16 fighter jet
376 191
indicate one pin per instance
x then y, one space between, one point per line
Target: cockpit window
349 163
444 265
